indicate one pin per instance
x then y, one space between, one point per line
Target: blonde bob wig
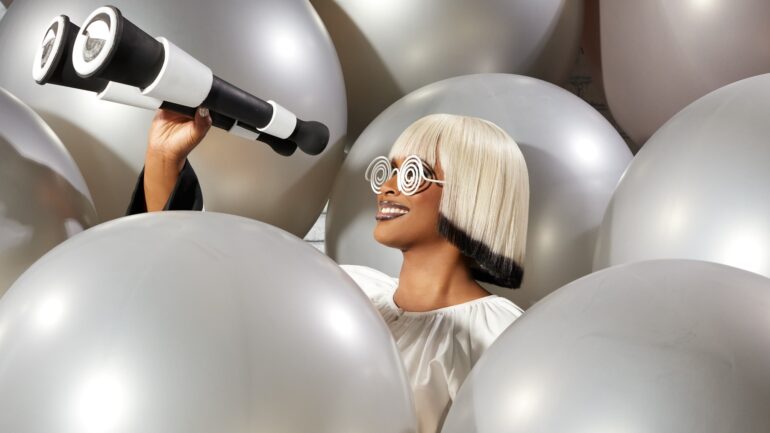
484 206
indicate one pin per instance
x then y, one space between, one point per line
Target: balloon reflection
102 401
49 313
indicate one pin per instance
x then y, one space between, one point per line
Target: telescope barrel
53 64
111 47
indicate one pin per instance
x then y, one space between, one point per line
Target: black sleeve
185 196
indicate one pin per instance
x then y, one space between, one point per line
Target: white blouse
438 347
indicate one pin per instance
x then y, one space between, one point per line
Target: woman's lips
389 211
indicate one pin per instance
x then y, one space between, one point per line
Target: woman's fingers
201 124
169 116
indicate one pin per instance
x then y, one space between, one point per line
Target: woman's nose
391 185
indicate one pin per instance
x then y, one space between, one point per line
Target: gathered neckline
393 304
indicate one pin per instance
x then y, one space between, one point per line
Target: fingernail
203 112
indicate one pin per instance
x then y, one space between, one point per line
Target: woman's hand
172 137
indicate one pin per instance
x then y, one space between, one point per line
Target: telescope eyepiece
50 51
96 41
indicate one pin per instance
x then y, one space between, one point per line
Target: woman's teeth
390 210
390 213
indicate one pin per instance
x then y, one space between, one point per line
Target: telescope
53 65
112 48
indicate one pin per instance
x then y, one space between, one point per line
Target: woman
453 196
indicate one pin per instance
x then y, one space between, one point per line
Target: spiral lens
378 173
410 175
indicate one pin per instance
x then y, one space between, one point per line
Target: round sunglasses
412 174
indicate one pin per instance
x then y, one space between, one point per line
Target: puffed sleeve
186 194
373 282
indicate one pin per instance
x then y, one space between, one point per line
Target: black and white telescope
112 48
53 65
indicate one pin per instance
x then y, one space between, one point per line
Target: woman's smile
388 210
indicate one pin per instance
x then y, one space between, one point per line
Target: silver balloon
672 346
195 322
660 55
275 49
389 49
43 197
699 188
574 156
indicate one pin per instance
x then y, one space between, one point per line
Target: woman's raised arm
172 137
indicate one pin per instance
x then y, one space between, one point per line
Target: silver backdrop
672 346
43 197
391 48
276 49
699 188
660 55
574 156
195 322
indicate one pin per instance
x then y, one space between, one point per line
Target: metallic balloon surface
195 322
574 158
659 55
43 197
674 346
389 49
275 49
699 188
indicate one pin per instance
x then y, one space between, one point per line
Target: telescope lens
97 32
48 42
48 54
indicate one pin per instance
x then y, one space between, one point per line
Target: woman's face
416 223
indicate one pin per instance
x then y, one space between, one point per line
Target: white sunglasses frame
400 180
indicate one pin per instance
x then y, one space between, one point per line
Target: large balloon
275 49
391 48
43 197
574 156
672 346
195 322
699 188
660 55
